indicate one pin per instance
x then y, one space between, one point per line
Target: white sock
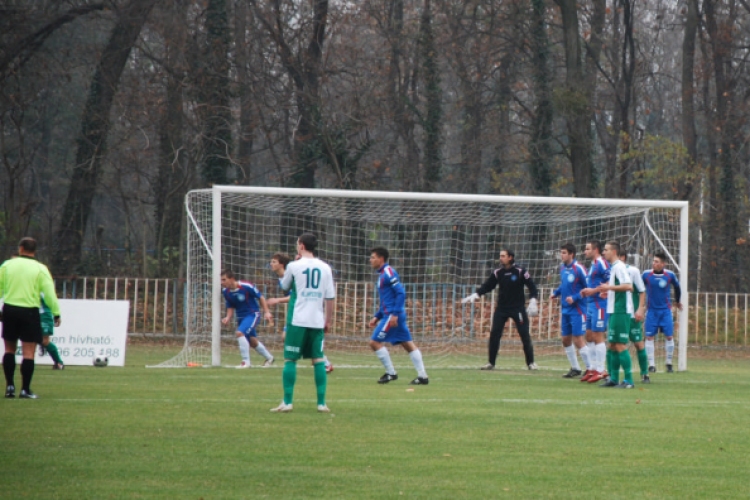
585 356
601 356
570 351
670 350
591 346
650 352
385 358
244 348
416 359
261 349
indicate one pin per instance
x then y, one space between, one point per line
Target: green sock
321 381
614 373
643 362
289 377
54 353
627 365
609 361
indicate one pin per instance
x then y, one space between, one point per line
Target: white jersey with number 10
313 282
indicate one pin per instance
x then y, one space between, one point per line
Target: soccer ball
101 362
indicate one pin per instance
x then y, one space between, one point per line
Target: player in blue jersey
659 308
243 300
278 265
573 327
391 320
596 312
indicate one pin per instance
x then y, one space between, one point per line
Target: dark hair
614 245
228 273
28 244
309 241
596 244
381 252
569 247
623 252
510 253
661 256
282 258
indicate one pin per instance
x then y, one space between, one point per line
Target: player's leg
379 337
651 329
668 329
51 348
619 334
245 325
521 320
313 348
578 326
496 334
9 365
252 338
293 344
329 365
636 337
27 368
566 331
416 359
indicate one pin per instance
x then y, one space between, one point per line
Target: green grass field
197 433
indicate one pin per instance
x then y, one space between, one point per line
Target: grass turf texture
207 433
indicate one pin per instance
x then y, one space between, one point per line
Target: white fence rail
157 307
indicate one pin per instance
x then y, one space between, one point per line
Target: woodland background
111 110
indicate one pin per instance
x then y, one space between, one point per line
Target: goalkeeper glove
470 298
533 309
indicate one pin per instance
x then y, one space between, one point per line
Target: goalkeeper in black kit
511 301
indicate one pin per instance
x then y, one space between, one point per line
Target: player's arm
287 280
230 312
677 292
277 300
533 309
47 286
640 287
556 292
266 312
329 312
486 287
330 297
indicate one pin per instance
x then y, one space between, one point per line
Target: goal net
442 245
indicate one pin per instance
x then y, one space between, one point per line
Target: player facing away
596 312
636 324
278 265
390 320
510 279
573 317
620 310
315 291
243 299
659 308
48 330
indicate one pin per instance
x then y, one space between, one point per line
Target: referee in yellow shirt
22 281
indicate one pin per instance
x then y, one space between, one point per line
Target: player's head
507 257
623 254
660 260
279 262
228 279
308 242
378 257
567 253
593 249
27 246
611 251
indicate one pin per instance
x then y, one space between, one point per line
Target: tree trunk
540 147
95 124
689 134
433 113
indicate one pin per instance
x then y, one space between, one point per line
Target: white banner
90 329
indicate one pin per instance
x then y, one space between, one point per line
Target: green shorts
48 324
618 330
636 331
303 342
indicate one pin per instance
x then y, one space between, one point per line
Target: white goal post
443 245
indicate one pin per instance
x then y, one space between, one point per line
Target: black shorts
22 323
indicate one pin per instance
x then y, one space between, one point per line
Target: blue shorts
596 318
573 324
657 319
247 325
395 335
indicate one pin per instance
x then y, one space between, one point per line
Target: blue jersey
244 300
572 281
392 293
598 274
285 292
657 289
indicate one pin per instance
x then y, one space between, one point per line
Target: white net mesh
441 249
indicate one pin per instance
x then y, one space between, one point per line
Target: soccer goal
443 246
